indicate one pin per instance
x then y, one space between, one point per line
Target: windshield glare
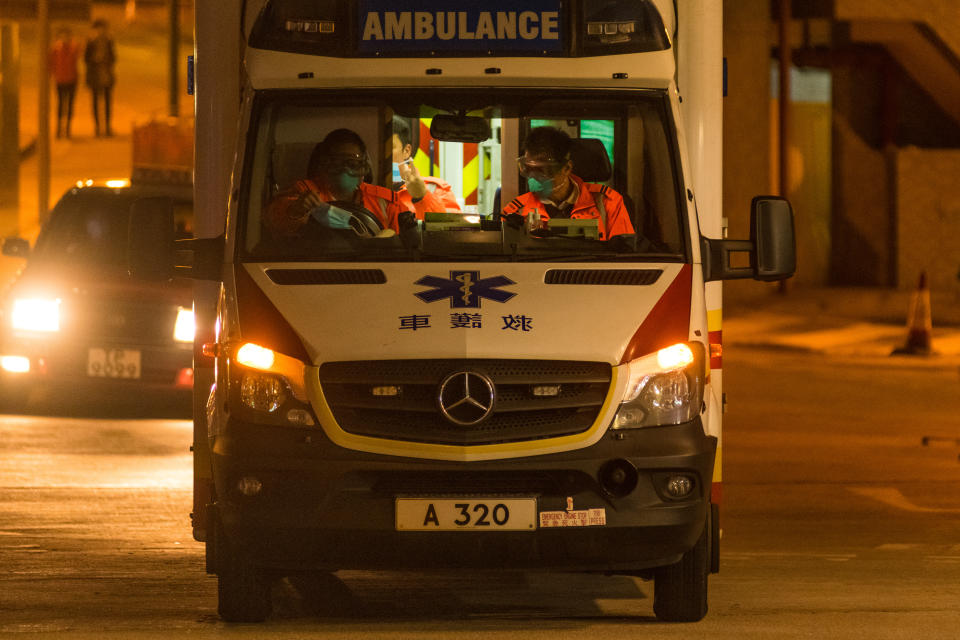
90 229
358 177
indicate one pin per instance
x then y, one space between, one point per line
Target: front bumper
326 507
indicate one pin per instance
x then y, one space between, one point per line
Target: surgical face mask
333 217
348 183
542 188
396 172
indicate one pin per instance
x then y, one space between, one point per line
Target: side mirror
150 253
16 247
771 247
771 232
154 253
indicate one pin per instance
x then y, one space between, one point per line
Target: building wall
862 227
928 217
943 16
808 160
872 172
746 134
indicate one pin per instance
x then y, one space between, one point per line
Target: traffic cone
919 322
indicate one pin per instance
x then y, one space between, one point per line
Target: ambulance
462 389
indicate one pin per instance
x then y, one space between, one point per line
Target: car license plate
466 514
113 363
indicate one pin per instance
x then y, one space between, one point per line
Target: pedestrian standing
100 58
63 58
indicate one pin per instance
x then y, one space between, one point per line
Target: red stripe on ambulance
668 322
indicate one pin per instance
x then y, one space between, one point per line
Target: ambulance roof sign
472 28
478 26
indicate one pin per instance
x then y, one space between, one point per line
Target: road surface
837 523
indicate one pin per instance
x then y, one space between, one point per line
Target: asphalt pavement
853 322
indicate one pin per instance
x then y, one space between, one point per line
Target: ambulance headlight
262 392
662 388
269 383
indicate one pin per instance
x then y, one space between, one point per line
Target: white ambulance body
462 389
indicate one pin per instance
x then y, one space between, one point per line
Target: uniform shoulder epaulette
516 204
603 189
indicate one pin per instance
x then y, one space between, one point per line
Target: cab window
620 142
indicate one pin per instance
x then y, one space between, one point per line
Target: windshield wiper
579 257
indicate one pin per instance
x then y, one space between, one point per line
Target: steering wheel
369 222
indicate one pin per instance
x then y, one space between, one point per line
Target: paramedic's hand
406 221
409 236
303 205
411 178
624 243
514 220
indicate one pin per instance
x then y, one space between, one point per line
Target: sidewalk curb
852 340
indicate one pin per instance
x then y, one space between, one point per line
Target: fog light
679 486
300 417
249 485
15 364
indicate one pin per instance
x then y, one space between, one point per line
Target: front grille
414 414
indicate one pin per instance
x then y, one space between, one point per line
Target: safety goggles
354 163
530 168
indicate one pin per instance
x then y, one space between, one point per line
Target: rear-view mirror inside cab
451 128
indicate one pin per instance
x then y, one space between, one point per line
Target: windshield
90 228
465 176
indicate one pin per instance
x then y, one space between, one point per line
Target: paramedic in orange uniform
336 172
407 181
555 192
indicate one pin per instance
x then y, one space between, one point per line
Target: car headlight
36 314
663 388
184 328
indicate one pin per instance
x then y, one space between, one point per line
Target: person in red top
407 181
62 60
336 170
555 192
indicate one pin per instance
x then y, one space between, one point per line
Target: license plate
113 363
466 514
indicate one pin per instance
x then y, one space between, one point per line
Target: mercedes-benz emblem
466 397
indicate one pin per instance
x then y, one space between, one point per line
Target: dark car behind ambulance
75 325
